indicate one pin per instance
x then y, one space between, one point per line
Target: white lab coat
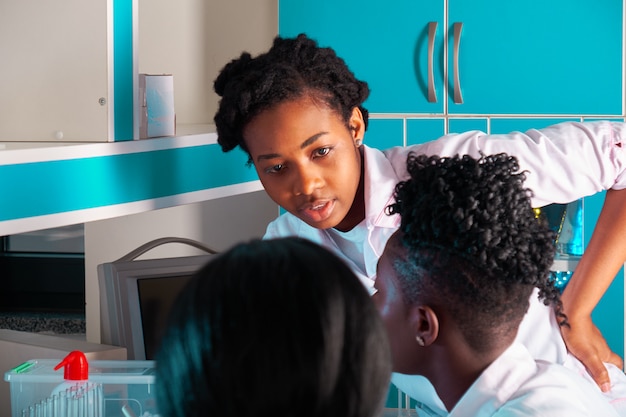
516 385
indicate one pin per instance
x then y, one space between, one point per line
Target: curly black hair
474 245
293 68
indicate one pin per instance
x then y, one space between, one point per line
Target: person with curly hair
454 283
297 110
276 327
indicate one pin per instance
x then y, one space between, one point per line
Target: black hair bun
233 70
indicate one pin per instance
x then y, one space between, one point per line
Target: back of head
474 245
274 328
293 68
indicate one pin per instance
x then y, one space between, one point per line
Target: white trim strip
46 152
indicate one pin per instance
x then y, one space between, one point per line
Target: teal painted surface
60 186
424 130
555 57
522 125
123 69
533 57
384 46
384 133
466 125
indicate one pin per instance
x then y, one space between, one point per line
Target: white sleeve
564 162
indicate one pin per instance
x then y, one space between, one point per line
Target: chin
328 223
323 225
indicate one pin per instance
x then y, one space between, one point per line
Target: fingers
599 373
616 360
585 341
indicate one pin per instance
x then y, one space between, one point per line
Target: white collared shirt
515 385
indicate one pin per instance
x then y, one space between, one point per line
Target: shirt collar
503 376
380 180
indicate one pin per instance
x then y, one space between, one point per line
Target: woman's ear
357 124
425 324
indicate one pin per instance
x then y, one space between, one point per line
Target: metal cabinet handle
432 32
458 95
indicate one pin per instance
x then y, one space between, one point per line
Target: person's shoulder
531 387
444 146
284 225
396 157
395 152
554 390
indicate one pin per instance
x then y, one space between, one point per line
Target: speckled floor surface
39 322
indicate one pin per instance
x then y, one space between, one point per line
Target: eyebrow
303 145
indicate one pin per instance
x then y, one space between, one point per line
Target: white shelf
53 184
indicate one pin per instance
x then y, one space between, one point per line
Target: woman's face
395 312
308 162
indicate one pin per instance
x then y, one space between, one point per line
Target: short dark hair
293 68
475 246
274 327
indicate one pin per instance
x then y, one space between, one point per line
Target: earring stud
420 340
358 142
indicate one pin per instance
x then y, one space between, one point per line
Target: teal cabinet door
536 57
384 44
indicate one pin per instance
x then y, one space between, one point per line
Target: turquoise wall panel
424 130
123 73
384 133
76 184
522 125
466 125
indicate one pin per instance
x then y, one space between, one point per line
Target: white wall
217 223
194 39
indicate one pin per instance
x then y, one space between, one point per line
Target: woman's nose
307 181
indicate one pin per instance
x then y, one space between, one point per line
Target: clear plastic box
113 388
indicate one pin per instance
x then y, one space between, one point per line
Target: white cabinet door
54 70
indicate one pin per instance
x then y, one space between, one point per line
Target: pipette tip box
113 388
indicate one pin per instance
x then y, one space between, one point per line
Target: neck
452 371
356 214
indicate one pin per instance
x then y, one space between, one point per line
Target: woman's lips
318 211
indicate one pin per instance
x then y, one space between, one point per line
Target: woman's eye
322 151
274 169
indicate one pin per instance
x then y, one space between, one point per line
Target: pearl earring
358 142
420 340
